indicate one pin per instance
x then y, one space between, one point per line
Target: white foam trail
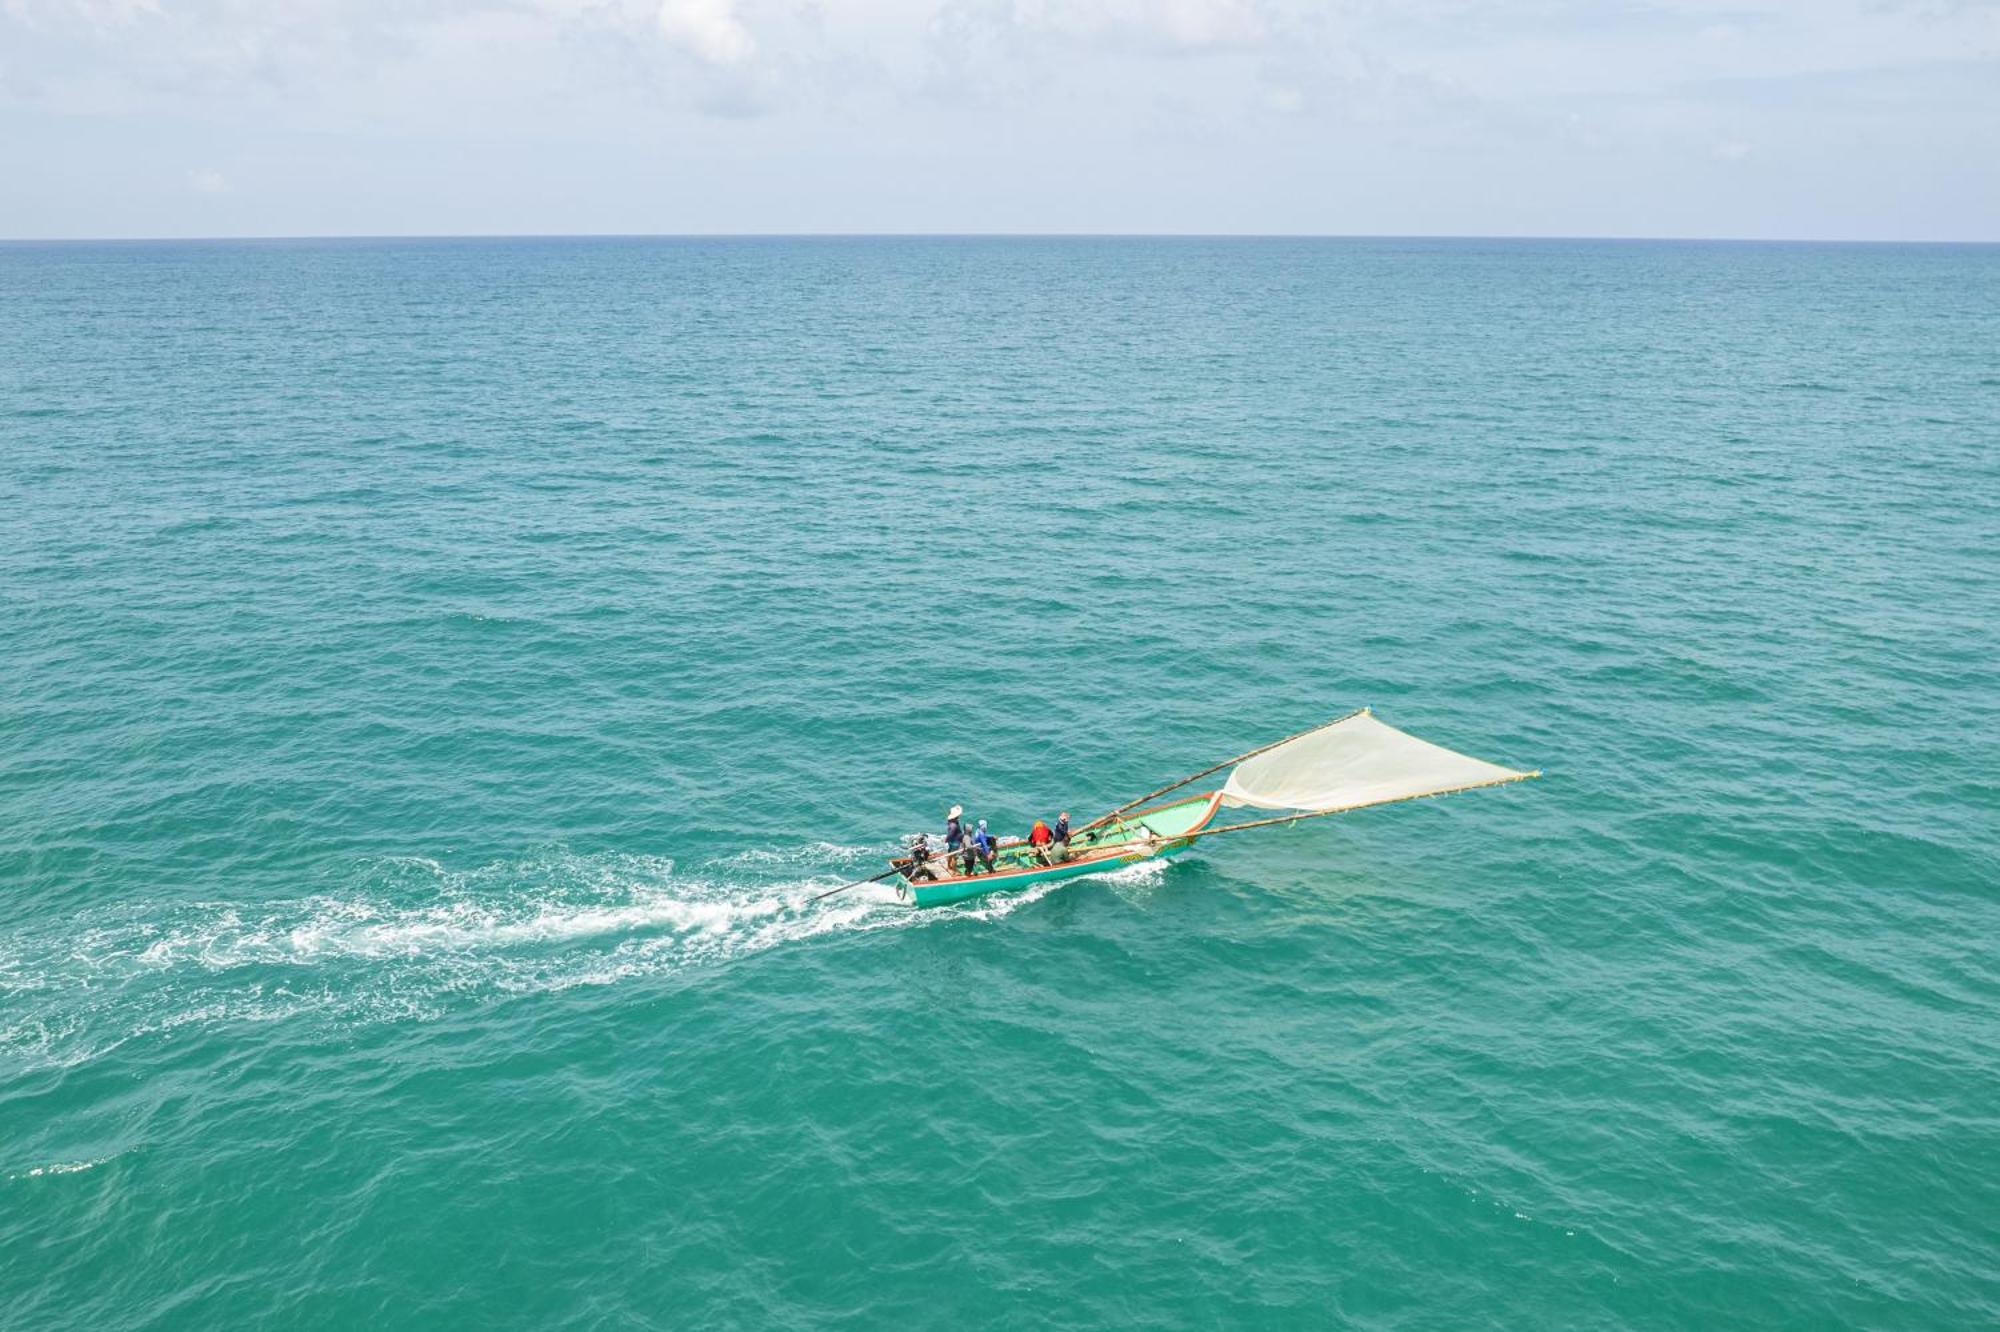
1146 872
1135 883
406 936
813 853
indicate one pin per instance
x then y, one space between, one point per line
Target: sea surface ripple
436 676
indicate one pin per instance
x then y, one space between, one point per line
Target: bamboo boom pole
1175 786
892 870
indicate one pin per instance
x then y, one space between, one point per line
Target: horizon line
975 235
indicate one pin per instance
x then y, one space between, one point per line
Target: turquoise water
435 675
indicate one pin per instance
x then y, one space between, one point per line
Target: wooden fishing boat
1143 834
1350 763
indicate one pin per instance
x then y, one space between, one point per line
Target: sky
1780 119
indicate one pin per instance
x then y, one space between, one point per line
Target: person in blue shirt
983 847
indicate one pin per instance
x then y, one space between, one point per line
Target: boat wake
407 938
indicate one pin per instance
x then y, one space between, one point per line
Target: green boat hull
1150 834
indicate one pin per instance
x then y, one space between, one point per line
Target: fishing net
1353 762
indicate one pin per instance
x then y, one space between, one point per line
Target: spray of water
406 938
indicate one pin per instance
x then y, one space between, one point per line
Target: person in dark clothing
954 830
919 869
1061 835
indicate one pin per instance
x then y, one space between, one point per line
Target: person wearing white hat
954 830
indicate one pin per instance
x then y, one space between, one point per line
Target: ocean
435 675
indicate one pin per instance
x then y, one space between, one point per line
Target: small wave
61 1168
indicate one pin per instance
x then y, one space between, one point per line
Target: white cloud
1286 99
1177 25
708 29
1471 115
100 14
1198 24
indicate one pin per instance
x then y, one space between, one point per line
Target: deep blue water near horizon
435 676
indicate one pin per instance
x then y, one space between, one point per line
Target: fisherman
1061 831
1039 838
982 847
954 830
920 860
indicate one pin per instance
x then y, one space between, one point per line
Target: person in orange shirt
1040 838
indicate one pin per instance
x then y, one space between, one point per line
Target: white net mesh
1354 762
